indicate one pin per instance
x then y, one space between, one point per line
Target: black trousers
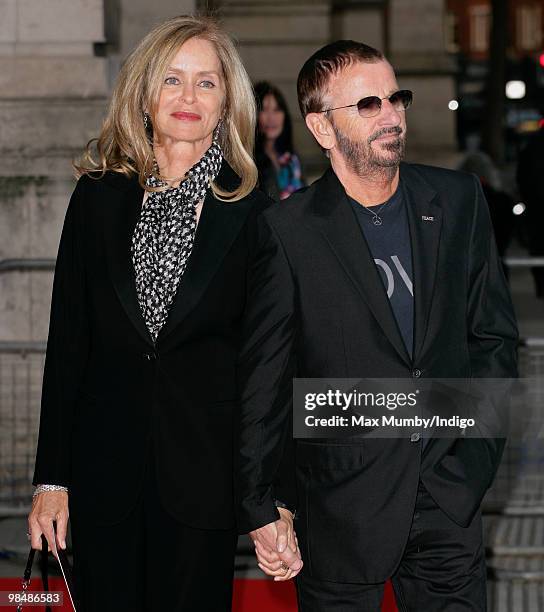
442 569
151 562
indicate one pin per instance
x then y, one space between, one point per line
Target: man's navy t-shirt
391 249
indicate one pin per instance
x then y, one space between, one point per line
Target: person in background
499 201
279 167
530 172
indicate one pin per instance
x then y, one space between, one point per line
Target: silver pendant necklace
376 219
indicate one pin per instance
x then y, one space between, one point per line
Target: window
451 32
529 27
480 20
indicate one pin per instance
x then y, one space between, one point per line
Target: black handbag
65 568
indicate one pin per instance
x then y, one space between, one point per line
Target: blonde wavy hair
124 145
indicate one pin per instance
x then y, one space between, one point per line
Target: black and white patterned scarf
164 236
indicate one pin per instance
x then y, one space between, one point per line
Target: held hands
276 547
47 507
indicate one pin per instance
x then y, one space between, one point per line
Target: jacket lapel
425 221
218 227
338 223
124 212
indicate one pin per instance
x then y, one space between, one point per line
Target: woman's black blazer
109 391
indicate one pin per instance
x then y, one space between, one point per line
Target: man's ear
321 129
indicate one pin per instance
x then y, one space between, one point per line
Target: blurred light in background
531 125
519 208
541 60
453 105
515 90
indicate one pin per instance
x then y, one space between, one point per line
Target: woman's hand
47 507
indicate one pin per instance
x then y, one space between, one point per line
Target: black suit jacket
109 391
322 311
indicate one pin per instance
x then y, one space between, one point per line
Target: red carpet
55 584
249 595
270 596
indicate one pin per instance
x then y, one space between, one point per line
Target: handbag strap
43 568
67 574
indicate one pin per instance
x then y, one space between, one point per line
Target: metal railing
22 348
28 265
524 262
21 370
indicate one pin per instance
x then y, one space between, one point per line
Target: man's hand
276 547
47 507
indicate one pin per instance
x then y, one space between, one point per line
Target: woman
279 167
139 392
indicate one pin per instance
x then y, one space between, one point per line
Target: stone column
52 98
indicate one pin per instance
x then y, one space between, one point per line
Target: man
387 270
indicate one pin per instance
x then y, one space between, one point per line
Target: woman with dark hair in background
279 167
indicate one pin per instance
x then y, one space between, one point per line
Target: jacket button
415 437
416 373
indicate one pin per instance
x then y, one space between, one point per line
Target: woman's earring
218 130
147 120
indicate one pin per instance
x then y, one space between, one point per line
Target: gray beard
364 161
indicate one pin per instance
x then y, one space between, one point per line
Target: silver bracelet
42 488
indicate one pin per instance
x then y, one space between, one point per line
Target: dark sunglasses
372 105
